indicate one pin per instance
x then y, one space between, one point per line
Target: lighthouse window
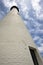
32 51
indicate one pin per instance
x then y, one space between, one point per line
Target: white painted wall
15 41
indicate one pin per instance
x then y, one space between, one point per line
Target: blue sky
32 13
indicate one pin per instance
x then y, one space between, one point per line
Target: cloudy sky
32 13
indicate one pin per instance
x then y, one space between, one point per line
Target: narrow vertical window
32 51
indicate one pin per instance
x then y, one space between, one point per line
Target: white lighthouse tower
16 44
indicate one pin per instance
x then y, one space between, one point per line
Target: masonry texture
15 41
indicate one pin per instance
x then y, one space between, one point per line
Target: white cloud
9 3
40 16
36 38
42 44
22 5
40 49
37 7
23 8
25 22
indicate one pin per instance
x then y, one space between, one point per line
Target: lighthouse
16 44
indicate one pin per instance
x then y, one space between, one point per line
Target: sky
31 12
